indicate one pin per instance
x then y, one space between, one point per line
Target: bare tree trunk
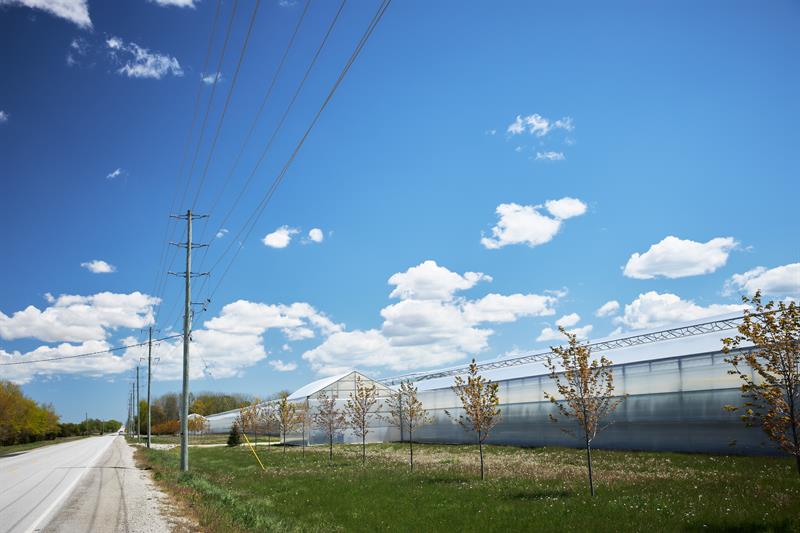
269 440
304 438
480 450
589 462
411 447
363 448
284 441
330 450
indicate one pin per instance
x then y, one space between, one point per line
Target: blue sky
666 130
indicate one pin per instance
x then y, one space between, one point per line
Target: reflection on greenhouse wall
673 404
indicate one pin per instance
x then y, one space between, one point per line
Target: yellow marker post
254 451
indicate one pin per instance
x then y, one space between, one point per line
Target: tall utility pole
187 328
138 410
149 373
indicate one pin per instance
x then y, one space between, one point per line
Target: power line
201 83
255 216
89 354
280 123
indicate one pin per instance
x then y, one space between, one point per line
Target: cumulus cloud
139 62
780 281
3 116
99 266
553 334
221 233
567 321
607 309
525 224
654 310
280 366
679 258
550 156
74 318
429 281
316 235
75 11
280 238
224 346
429 326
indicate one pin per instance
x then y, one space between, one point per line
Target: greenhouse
676 381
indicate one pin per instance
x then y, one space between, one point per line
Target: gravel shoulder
115 495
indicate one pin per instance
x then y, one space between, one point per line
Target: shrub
234 437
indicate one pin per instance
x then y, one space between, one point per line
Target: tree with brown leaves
248 419
328 419
586 387
287 417
303 420
268 420
359 410
481 405
770 370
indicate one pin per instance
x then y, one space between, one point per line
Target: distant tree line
165 410
23 420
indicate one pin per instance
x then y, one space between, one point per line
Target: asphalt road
86 485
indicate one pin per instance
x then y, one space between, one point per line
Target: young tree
269 421
287 418
770 370
303 419
248 419
198 424
234 438
396 406
328 419
481 405
586 387
415 415
358 411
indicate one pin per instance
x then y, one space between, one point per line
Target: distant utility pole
187 327
138 410
149 373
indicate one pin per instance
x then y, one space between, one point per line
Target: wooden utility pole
149 375
138 410
187 328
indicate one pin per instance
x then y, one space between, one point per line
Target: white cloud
3 116
73 318
221 233
139 62
565 207
98 266
553 334
654 310
607 309
287 3
176 3
75 11
280 238
550 156
114 174
781 281
524 224
538 125
679 258
316 235
280 366
508 308
429 326
429 281
567 321
209 79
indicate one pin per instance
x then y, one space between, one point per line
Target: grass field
16 448
525 490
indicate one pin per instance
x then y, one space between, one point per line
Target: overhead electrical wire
170 221
90 354
256 215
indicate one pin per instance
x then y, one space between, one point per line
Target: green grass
541 489
17 448
211 438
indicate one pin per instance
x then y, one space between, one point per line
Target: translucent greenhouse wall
673 404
